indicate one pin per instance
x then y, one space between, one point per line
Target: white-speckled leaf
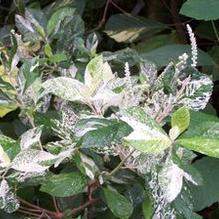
30 137
171 180
8 201
105 97
198 92
147 136
63 156
31 160
67 88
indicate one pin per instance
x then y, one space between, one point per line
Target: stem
176 19
28 213
55 205
119 8
36 207
82 207
121 163
215 30
102 21
30 209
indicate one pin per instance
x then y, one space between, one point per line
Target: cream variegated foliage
31 161
171 180
147 135
8 201
30 137
4 158
96 90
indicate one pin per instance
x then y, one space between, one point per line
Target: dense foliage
110 120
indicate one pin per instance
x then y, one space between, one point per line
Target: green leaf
118 204
64 184
48 50
180 121
202 135
67 88
28 73
206 194
70 36
86 165
127 28
56 58
10 146
155 42
147 208
57 17
183 205
147 136
6 108
104 133
197 9
163 55
181 118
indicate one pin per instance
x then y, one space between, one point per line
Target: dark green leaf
118 204
57 17
163 55
64 184
28 73
107 132
197 9
127 28
206 194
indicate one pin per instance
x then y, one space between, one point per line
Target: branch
121 163
176 19
75 211
102 21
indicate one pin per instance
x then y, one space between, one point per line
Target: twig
28 213
215 30
102 21
84 206
167 6
138 7
39 208
176 19
55 205
121 163
119 8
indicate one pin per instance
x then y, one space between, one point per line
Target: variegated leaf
30 137
147 136
8 201
31 160
171 180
